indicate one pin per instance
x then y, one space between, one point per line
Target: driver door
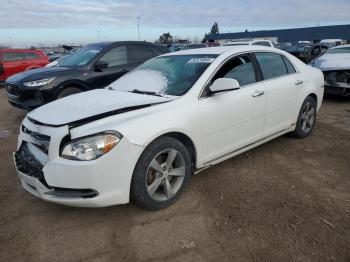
232 120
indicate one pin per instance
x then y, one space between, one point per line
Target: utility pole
138 27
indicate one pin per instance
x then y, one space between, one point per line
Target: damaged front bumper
337 82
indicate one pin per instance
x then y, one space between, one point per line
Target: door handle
298 82
258 93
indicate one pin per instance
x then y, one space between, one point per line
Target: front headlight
91 147
41 82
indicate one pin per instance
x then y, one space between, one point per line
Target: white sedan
143 137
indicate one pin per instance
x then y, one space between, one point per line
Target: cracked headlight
41 82
91 147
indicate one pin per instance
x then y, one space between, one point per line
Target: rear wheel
68 91
306 119
161 174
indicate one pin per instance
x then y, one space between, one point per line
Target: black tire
68 91
299 131
139 183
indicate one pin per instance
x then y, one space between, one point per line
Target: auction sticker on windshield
201 60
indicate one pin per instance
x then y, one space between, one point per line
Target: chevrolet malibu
144 136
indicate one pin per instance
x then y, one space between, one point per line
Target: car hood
37 74
329 62
92 105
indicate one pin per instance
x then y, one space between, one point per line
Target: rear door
13 63
281 84
118 65
139 53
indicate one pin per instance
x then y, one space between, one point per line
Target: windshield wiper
136 91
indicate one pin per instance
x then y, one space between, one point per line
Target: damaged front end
337 82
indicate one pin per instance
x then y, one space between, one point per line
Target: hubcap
307 117
165 174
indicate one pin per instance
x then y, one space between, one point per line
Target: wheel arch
186 141
72 83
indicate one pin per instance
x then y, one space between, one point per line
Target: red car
13 61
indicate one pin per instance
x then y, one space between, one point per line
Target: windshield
341 50
81 57
166 75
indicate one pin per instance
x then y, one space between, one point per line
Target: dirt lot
288 200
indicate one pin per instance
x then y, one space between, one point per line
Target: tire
68 91
155 184
306 118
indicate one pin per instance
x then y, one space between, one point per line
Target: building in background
313 34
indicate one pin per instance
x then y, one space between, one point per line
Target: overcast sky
26 22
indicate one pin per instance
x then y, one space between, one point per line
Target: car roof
106 44
221 49
19 50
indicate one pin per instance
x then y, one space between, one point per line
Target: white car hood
100 102
329 62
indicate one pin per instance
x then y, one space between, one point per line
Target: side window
316 51
140 53
115 57
272 65
290 67
240 68
11 57
31 56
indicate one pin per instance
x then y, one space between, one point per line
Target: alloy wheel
308 117
165 175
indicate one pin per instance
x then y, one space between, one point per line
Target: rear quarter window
290 67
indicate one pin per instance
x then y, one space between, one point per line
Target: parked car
13 61
144 136
315 51
193 46
93 66
335 65
332 42
253 42
175 47
299 50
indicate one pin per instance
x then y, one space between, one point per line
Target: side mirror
223 84
100 65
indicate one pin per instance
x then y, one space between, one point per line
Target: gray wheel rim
308 117
165 175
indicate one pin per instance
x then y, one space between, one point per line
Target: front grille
337 76
12 90
28 164
40 140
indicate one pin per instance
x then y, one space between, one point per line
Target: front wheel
306 119
68 91
161 174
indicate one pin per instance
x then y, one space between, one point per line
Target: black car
299 50
93 66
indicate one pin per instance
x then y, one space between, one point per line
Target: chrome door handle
258 93
298 82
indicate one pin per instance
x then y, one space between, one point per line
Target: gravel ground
287 200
